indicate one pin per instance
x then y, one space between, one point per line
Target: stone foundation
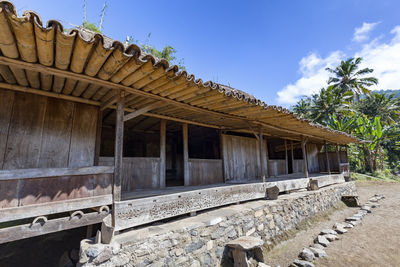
200 240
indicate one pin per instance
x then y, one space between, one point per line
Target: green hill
388 92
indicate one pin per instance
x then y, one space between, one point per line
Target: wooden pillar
267 157
261 142
291 151
98 137
328 167
221 153
118 151
338 157
286 159
303 148
185 154
163 132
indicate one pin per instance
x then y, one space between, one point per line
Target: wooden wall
298 166
42 132
312 158
333 160
137 173
276 167
205 171
241 158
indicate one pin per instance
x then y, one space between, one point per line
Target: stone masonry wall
200 240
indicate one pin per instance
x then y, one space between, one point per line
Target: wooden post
338 157
328 167
98 137
261 142
221 153
303 148
185 154
118 151
347 159
286 159
267 156
163 131
291 148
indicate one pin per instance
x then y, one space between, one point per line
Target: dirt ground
374 243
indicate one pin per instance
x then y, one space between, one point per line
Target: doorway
174 155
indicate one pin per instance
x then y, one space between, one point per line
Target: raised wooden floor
145 206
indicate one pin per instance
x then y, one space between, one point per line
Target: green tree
348 78
385 106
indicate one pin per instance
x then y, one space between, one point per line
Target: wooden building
89 126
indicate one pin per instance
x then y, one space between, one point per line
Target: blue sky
275 50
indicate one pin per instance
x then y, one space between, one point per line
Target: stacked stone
317 250
201 240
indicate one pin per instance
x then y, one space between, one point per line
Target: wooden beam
328 167
109 102
185 154
118 151
141 111
261 142
303 148
25 89
81 77
55 225
29 211
163 131
286 159
52 172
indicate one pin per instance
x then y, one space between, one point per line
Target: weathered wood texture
298 166
163 155
137 173
44 209
328 180
55 225
130 213
276 167
205 171
333 161
41 132
241 157
186 172
312 158
24 191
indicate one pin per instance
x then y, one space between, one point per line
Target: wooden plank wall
42 132
276 167
333 160
298 166
312 158
24 192
137 172
205 171
241 158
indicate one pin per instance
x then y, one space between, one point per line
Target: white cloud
314 77
361 34
383 57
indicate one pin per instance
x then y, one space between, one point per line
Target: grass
384 175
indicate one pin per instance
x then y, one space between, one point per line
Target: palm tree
348 77
301 108
328 102
385 106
